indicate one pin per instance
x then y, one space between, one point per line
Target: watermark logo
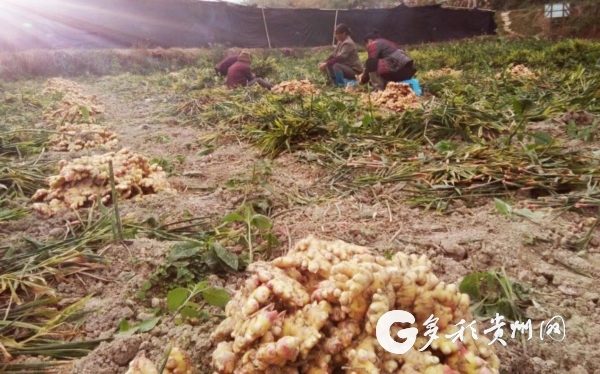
554 329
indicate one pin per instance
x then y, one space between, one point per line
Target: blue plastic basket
350 82
414 84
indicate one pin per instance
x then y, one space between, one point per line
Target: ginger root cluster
85 180
316 309
59 85
432 74
296 87
518 72
177 363
75 137
396 96
73 107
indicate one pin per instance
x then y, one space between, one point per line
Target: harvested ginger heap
76 107
518 72
302 87
59 85
75 137
396 96
442 73
85 180
316 309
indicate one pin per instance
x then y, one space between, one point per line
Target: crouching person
386 62
223 67
343 65
240 74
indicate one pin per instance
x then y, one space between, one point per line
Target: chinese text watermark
554 329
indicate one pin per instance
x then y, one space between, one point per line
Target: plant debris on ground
504 138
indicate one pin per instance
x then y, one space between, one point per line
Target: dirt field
534 253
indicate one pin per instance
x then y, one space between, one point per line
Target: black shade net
96 24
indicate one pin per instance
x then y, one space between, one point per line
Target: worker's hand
323 66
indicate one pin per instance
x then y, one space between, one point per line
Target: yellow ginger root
83 181
178 363
224 360
295 87
59 85
316 310
141 365
75 137
255 328
72 108
432 74
277 353
518 72
362 358
397 97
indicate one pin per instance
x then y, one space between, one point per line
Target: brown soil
468 240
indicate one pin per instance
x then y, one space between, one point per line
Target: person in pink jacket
386 62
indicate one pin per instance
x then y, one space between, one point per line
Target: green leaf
211 260
261 222
148 325
124 326
445 146
572 129
367 120
470 286
205 151
233 217
248 212
176 298
189 312
184 250
521 106
146 286
200 286
503 207
126 330
529 214
216 296
542 138
227 257
85 113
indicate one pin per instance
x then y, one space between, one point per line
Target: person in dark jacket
386 62
240 73
223 66
343 62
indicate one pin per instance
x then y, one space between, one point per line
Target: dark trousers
261 82
349 73
407 72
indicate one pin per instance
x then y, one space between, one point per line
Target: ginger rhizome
59 85
397 97
518 72
86 180
177 363
444 72
76 107
75 137
301 87
316 309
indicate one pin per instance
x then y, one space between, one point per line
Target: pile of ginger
316 310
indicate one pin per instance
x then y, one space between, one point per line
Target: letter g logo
383 332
